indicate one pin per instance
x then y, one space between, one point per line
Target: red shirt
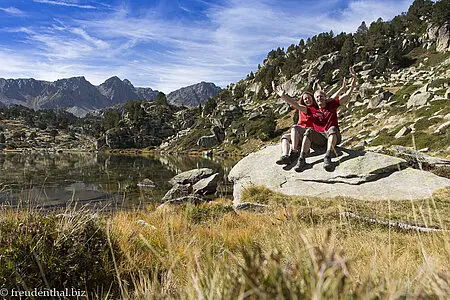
324 118
304 120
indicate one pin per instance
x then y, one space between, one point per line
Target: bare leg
331 144
295 139
285 146
306 144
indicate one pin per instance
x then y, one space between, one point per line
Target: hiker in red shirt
325 131
304 122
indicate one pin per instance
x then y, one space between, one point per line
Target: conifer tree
361 33
441 12
418 13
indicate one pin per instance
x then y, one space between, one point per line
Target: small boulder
191 176
186 199
419 99
402 132
375 101
206 186
256 207
177 191
146 183
208 141
442 128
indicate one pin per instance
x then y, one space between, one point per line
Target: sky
166 44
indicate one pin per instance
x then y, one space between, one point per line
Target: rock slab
357 174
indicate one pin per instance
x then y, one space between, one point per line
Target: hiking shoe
327 163
284 160
301 164
294 155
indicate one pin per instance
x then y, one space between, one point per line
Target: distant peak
127 82
113 78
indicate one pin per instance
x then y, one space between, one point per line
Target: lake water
98 179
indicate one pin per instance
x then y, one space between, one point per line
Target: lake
98 179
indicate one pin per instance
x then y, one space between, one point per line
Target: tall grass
298 248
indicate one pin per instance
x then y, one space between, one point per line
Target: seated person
304 122
325 129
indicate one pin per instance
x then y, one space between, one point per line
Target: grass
440 106
440 83
434 58
299 248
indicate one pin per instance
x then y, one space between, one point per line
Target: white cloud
168 54
13 11
65 3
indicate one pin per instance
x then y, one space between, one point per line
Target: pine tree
161 99
418 13
347 50
441 12
361 34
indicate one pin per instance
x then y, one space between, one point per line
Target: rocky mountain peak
193 95
127 82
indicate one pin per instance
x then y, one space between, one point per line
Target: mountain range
79 96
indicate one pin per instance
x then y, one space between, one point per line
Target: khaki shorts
299 131
320 139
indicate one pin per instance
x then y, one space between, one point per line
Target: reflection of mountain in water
44 179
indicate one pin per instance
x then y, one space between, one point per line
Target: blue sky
165 44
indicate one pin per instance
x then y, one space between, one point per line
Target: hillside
401 99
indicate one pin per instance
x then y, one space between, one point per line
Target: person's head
307 99
321 98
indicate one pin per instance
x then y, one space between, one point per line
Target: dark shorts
320 139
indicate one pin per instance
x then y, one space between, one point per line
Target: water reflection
47 180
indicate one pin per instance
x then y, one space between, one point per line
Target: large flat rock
357 174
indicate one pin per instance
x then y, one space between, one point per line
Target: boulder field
356 174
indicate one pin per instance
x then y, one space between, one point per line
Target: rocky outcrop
192 176
206 186
416 158
360 175
208 141
193 183
443 38
193 95
378 99
419 99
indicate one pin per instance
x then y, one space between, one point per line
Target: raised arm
340 91
280 92
345 97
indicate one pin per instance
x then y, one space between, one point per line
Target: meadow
295 247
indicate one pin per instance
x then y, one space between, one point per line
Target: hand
352 72
344 84
279 90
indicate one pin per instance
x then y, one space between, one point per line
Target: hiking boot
327 163
294 156
301 164
284 160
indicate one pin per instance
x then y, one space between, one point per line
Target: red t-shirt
304 120
324 118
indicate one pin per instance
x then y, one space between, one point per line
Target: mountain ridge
78 96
